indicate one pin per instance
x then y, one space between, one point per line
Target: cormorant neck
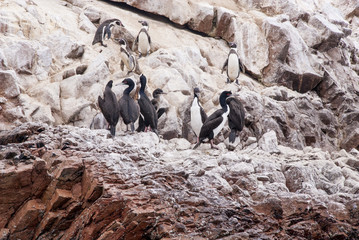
223 103
129 89
143 86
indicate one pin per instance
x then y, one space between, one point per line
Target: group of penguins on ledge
147 112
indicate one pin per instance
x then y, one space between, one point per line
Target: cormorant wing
102 105
203 115
236 114
213 121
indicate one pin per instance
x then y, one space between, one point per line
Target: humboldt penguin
104 29
147 110
235 117
126 57
109 107
143 40
233 64
215 122
99 122
129 109
198 115
156 94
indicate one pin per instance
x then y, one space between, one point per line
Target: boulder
48 94
72 107
10 84
269 142
329 33
87 25
290 62
20 56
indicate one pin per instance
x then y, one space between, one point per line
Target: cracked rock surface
76 183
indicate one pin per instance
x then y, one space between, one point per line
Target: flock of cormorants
147 112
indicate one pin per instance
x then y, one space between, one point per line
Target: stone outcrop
292 172
312 50
76 183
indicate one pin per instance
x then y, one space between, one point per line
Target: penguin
129 109
233 64
104 29
148 113
156 102
198 115
143 40
235 117
99 122
109 107
126 58
215 122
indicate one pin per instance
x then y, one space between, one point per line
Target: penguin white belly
125 59
233 67
219 128
143 43
196 120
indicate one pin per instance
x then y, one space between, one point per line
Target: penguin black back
148 112
105 29
215 122
235 117
129 109
109 107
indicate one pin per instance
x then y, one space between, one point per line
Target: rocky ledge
74 183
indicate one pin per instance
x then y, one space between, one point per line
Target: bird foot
213 146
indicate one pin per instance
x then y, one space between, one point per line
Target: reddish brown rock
25 221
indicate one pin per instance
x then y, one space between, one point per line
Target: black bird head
231 97
157 92
122 42
144 23
196 92
109 84
232 45
222 98
118 22
128 81
143 79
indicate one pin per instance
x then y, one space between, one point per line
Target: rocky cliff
293 174
75 183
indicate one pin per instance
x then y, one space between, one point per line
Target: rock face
292 172
311 49
76 183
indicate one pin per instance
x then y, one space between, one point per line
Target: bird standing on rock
215 122
235 117
198 115
104 29
156 102
109 107
126 58
129 109
233 64
148 113
143 40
